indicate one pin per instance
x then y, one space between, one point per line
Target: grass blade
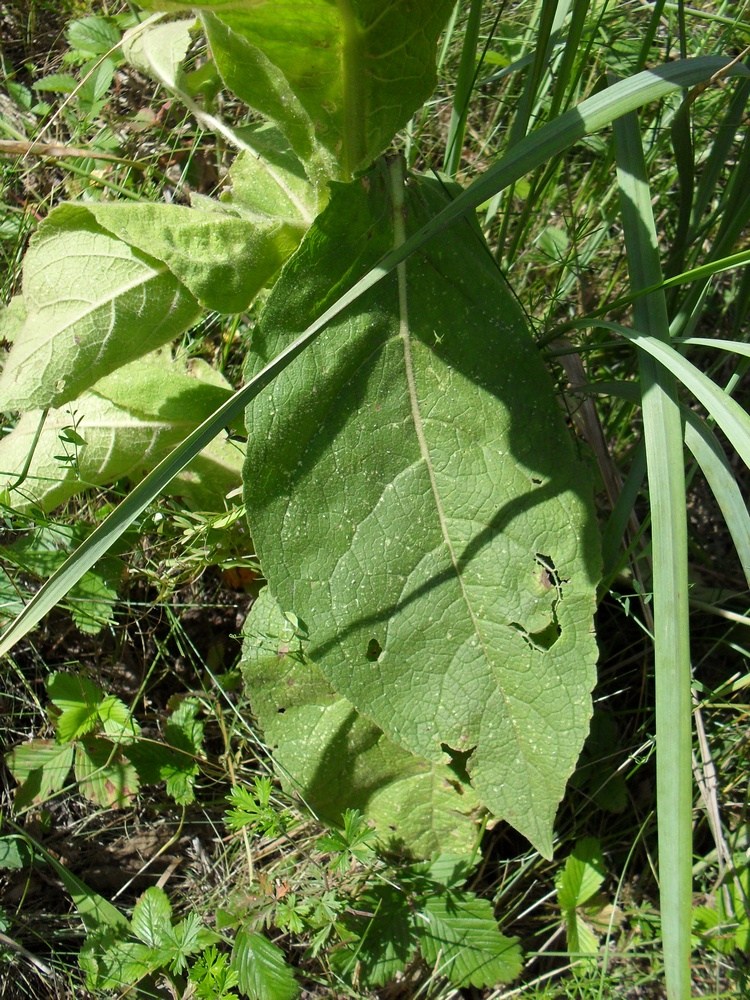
709 454
662 425
467 74
728 414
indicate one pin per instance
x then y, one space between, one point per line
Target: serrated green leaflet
262 969
104 774
78 701
41 767
415 500
336 759
338 78
460 938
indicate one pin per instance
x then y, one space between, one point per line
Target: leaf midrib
399 237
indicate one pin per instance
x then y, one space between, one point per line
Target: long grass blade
722 481
467 74
662 426
533 150
728 414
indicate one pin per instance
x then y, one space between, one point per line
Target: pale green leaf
336 759
459 937
92 304
110 963
41 767
414 498
104 774
152 917
582 875
117 721
12 318
338 79
78 700
55 83
268 178
262 969
222 258
580 937
94 36
159 50
128 422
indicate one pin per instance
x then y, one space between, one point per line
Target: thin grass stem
663 436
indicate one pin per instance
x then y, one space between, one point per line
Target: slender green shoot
662 424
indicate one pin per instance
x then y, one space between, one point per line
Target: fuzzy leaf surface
92 303
415 499
338 760
222 258
338 78
270 179
119 429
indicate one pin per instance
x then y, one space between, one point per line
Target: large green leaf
415 500
119 429
338 760
268 178
223 258
108 282
92 303
537 148
339 77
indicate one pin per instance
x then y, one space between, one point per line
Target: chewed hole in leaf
459 761
543 639
547 575
374 649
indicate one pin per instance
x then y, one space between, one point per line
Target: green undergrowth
260 748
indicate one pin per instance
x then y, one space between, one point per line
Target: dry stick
59 151
39 965
704 772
